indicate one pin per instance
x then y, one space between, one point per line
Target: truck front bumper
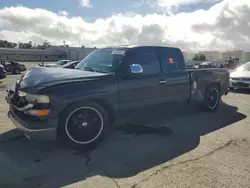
36 133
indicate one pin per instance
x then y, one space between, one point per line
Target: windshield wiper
97 70
90 69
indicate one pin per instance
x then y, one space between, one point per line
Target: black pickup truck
80 105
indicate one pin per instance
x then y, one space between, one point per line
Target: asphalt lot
181 147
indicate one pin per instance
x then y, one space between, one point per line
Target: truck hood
44 77
240 74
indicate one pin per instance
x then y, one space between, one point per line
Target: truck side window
148 60
172 60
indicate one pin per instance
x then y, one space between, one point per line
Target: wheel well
101 102
217 84
107 107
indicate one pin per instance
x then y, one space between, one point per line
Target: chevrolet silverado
79 105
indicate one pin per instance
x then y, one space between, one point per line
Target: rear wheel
211 98
84 124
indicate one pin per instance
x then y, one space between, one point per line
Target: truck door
138 90
175 78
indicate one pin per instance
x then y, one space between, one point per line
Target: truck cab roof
136 46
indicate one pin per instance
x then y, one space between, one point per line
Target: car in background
12 66
71 65
240 77
208 65
59 63
190 65
3 72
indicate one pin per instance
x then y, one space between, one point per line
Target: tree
25 45
196 57
45 44
202 57
6 44
199 57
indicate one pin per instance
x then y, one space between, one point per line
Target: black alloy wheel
211 98
17 71
84 123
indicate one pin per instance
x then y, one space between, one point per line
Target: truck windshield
104 60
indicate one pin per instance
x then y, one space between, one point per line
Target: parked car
190 65
208 65
13 67
58 63
3 72
240 78
78 105
71 65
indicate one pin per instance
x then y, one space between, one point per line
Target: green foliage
23 45
6 44
45 44
199 57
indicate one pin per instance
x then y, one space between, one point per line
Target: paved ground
158 148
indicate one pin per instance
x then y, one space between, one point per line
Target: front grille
241 79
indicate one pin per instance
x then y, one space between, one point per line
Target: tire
231 89
16 71
212 98
96 131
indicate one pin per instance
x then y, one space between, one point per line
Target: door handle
162 81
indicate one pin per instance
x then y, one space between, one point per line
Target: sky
191 25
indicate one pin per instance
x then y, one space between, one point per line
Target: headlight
34 97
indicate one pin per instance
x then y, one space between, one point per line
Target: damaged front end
30 104
31 113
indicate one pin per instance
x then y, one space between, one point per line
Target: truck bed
200 78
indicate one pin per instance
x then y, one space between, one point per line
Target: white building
211 55
188 55
53 53
72 53
245 57
35 55
220 56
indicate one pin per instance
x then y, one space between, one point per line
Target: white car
240 78
58 63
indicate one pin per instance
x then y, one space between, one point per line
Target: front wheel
16 71
211 98
84 123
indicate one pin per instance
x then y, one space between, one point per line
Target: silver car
240 78
58 63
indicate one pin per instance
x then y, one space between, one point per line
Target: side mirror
136 69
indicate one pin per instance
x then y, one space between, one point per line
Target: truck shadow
151 138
